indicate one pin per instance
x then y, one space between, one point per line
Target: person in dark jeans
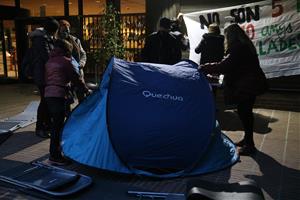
161 46
42 43
56 108
59 71
245 113
243 80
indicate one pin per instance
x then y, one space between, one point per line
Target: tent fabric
149 116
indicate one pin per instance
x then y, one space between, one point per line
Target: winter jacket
211 48
59 71
42 44
243 77
161 47
78 52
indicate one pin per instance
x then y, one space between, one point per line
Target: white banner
273 26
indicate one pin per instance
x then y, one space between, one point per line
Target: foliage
110 36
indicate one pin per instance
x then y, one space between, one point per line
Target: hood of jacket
38 32
57 52
212 35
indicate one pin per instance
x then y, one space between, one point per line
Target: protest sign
273 27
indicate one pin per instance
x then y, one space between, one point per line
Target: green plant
110 36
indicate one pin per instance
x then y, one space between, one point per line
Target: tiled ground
275 167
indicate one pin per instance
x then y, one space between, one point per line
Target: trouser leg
245 112
57 112
42 112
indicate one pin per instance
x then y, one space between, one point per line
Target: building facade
19 17
138 18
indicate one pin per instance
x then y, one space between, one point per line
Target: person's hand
212 79
200 67
206 67
88 92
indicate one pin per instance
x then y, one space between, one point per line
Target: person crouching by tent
243 80
59 71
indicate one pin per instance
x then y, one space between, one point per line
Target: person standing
42 43
176 31
58 73
162 47
211 48
243 80
78 53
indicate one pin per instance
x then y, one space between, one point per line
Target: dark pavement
275 167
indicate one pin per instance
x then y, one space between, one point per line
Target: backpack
28 63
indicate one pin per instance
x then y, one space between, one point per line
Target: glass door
11 48
8 50
2 50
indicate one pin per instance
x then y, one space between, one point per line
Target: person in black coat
42 43
243 80
162 47
211 48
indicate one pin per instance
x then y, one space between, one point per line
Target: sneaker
42 134
247 150
58 161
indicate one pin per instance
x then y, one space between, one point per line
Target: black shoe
247 150
244 142
42 134
61 161
240 143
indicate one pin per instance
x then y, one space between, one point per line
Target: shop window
8 53
7 2
133 6
93 7
133 30
73 7
1 52
44 8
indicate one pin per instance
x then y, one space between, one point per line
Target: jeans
245 112
56 107
43 119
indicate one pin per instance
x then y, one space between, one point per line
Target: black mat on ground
204 190
155 195
38 179
4 136
101 188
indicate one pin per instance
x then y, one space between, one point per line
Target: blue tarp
149 116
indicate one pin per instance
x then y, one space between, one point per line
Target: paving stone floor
275 167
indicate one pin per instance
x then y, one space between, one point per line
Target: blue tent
146 117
